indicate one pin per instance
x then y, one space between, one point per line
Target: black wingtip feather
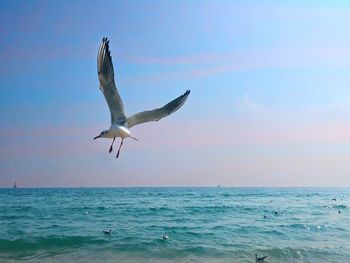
105 41
187 93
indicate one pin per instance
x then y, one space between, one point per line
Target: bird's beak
98 136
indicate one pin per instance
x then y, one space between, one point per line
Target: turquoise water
203 225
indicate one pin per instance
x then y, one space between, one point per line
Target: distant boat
15 185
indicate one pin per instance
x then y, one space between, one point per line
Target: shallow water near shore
203 224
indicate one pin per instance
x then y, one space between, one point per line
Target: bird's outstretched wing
107 84
157 114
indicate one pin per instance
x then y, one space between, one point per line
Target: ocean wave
204 225
340 206
40 243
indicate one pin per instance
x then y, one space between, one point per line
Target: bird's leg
120 146
111 148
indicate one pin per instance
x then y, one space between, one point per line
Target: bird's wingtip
105 40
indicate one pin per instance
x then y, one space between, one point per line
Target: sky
269 102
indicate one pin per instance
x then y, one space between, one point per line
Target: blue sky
269 103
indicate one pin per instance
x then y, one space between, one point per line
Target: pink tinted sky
268 107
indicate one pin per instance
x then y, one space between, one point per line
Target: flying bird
120 123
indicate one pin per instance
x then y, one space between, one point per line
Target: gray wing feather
157 114
107 85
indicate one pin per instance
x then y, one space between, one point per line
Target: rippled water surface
203 225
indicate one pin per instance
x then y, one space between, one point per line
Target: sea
215 224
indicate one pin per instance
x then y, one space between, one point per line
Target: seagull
107 232
120 123
260 259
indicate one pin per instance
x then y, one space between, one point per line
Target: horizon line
111 187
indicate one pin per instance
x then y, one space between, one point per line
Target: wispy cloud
246 104
341 105
207 65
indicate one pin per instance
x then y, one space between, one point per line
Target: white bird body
120 123
116 130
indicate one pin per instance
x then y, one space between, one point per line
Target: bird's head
103 134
